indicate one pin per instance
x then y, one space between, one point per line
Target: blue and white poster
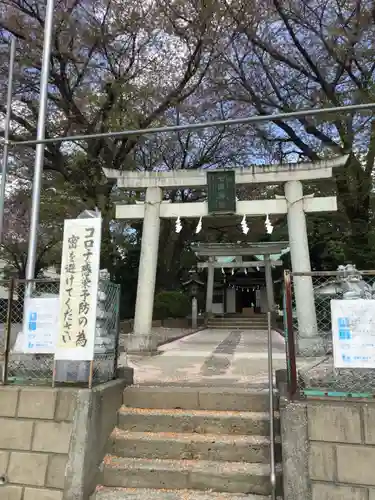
40 325
353 333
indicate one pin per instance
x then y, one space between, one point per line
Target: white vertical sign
353 333
79 289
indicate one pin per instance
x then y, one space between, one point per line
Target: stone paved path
221 357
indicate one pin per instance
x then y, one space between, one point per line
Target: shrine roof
203 249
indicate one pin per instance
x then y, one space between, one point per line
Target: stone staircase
256 322
177 443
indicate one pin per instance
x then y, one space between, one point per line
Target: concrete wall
342 452
94 420
328 449
52 441
35 430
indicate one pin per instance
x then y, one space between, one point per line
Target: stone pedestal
210 287
311 346
194 313
142 344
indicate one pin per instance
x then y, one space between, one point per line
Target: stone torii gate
294 204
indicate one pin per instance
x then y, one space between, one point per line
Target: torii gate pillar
142 338
308 340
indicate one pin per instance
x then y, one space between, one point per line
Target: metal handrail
271 409
290 340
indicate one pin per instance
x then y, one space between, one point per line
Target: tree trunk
354 191
171 246
103 202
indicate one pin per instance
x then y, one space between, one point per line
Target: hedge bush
171 304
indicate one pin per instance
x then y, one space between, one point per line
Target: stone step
239 318
244 319
236 322
230 477
197 398
216 321
219 321
227 326
147 494
190 446
239 315
197 421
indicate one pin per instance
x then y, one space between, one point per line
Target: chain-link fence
330 332
107 332
25 364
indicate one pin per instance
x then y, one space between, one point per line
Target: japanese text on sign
353 333
221 191
78 294
40 325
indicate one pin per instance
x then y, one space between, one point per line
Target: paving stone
199 421
146 494
37 403
322 461
66 404
334 423
181 362
15 434
334 492
42 494
56 471
230 448
27 468
52 437
8 401
190 474
4 458
369 423
9 492
355 464
161 397
235 399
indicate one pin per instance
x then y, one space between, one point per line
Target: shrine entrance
246 301
239 275
221 188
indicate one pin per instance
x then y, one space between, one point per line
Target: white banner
353 333
79 289
41 316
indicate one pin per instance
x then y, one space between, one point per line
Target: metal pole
117 331
8 330
271 408
12 58
269 283
39 152
201 125
290 344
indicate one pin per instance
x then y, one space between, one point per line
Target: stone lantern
192 285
